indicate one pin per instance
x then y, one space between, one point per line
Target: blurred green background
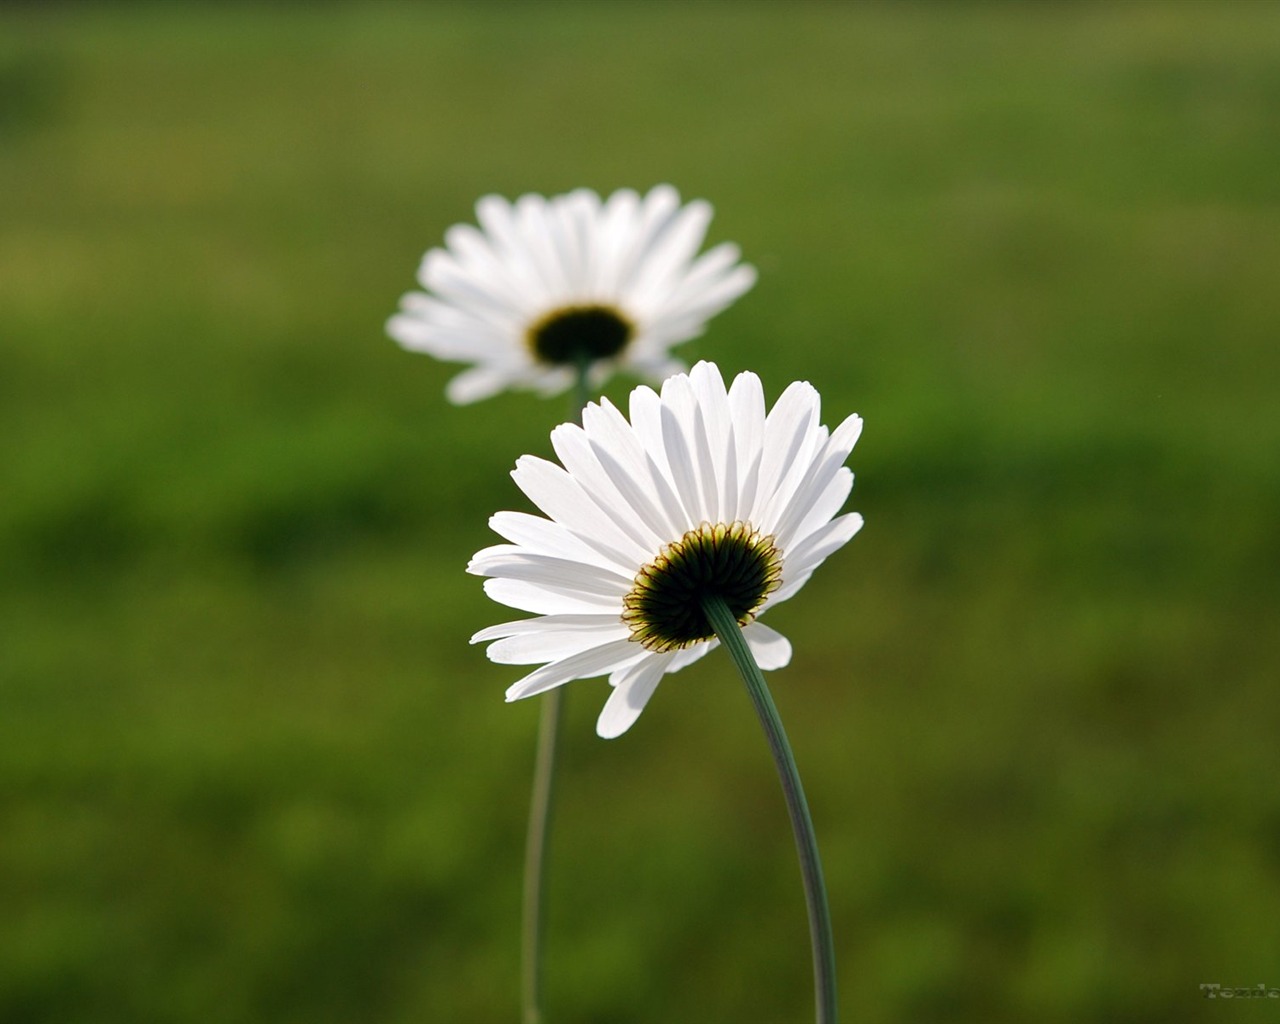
250 769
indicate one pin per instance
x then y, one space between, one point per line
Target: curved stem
541 805
815 891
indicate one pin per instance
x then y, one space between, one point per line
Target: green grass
251 771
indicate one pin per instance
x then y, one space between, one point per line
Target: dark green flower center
733 561
571 334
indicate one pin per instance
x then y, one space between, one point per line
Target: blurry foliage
250 769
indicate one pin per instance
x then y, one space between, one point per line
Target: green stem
540 808
535 856
815 891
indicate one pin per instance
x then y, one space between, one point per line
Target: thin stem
815 891
541 805
535 856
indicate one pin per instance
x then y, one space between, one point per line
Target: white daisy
700 492
546 283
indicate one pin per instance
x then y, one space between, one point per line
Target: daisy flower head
698 493
545 285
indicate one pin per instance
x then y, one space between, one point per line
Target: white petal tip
609 726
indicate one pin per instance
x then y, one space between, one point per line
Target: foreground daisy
699 495
547 289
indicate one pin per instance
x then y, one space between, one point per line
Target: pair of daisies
697 490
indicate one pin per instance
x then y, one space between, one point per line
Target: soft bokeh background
251 771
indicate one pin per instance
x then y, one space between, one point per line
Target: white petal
497 217
554 491
711 267
800 563
771 649
632 692
476 383
686 656
746 414
668 255
848 432
814 549
456 335
647 423
562 231
550 380
477 256
613 238
514 563
474 343
573 449
706 288
653 215
442 274
533 217
545 600
522 627
821 509
595 661
553 644
677 438
549 538
794 504
792 583
713 432
786 429
624 461
491 334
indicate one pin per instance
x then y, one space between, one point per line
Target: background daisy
545 286
700 492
